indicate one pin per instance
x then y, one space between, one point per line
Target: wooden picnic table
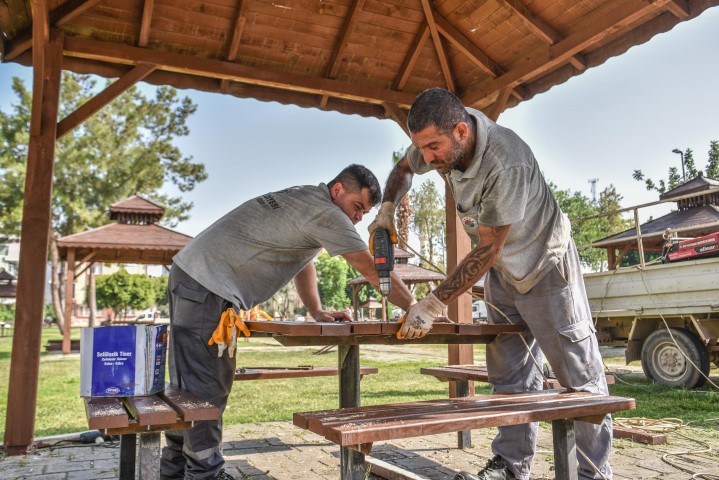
348 336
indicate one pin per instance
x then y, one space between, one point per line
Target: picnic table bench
302 371
359 427
139 420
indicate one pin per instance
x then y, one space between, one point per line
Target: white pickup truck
151 318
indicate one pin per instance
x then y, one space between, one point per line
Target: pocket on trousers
579 345
189 306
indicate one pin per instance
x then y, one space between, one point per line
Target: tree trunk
404 215
92 299
55 284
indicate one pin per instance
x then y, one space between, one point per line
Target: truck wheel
662 359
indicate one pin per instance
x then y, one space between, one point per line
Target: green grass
60 409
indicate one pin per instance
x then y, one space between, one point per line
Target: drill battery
699 247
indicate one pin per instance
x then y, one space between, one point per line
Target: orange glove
225 335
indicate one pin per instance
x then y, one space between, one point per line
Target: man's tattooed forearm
468 271
398 184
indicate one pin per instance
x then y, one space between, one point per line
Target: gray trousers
558 323
195 312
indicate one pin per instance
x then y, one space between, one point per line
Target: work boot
223 475
496 469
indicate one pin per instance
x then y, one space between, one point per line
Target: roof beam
538 27
40 38
147 9
236 37
89 108
398 115
558 54
499 104
58 18
679 8
204 67
437 41
411 58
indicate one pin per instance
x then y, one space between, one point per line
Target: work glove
418 320
225 335
384 219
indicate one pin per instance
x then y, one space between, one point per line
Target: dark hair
356 177
439 108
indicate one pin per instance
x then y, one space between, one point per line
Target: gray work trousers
196 453
558 323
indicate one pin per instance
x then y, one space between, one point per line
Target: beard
456 155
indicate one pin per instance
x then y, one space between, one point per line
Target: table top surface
357 333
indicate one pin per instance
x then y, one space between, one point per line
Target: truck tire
662 359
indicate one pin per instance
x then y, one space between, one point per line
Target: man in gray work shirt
523 244
240 261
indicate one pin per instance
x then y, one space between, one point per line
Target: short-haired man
524 245
240 261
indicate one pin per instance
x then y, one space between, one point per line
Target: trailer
666 314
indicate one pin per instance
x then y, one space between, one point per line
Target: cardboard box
122 361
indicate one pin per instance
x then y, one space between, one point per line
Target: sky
627 114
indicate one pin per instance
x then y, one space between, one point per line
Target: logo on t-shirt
469 222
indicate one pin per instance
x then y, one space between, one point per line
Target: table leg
565 450
464 438
149 461
351 462
128 443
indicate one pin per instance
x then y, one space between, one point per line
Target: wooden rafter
538 27
679 8
40 38
437 41
57 18
147 9
411 58
90 107
172 62
500 103
237 30
474 53
397 114
556 55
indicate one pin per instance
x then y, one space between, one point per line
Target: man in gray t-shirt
240 261
533 275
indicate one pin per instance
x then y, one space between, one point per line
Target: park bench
56 345
139 421
302 371
358 428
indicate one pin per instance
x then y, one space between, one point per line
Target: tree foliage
428 222
674 179
332 281
125 148
578 206
121 290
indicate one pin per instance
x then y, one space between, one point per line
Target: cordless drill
383 259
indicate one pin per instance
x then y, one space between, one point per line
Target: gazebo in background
135 237
8 285
697 214
410 274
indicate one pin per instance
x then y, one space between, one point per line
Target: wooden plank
639 435
105 412
337 329
265 373
366 328
190 407
478 373
285 328
150 410
388 471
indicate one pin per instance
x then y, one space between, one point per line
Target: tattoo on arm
471 268
398 184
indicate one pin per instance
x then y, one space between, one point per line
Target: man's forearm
306 283
399 182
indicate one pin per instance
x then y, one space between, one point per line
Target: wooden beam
679 8
338 50
411 58
204 67
113 90
499 104
36 225
40 38
69 297
551 57
398 115
437 40
538 27
144 36
58 18
237 30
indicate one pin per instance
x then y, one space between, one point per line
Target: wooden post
351 461
69 294
25 361
460 310
565 450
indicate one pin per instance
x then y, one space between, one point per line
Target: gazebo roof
408 273
369 58
8 285
697 185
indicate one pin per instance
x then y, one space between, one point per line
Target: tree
125 148
428 223
403 214
122 290
332 281
578 206
674 179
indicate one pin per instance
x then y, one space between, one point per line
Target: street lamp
676 150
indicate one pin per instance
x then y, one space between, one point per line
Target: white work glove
418 320
384 219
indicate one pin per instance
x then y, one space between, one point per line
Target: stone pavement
280 451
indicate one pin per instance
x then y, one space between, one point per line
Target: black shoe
223 475
496 469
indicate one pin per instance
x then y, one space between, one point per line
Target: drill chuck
383 259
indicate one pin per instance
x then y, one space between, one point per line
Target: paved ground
280 451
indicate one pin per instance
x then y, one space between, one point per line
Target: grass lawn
60 409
